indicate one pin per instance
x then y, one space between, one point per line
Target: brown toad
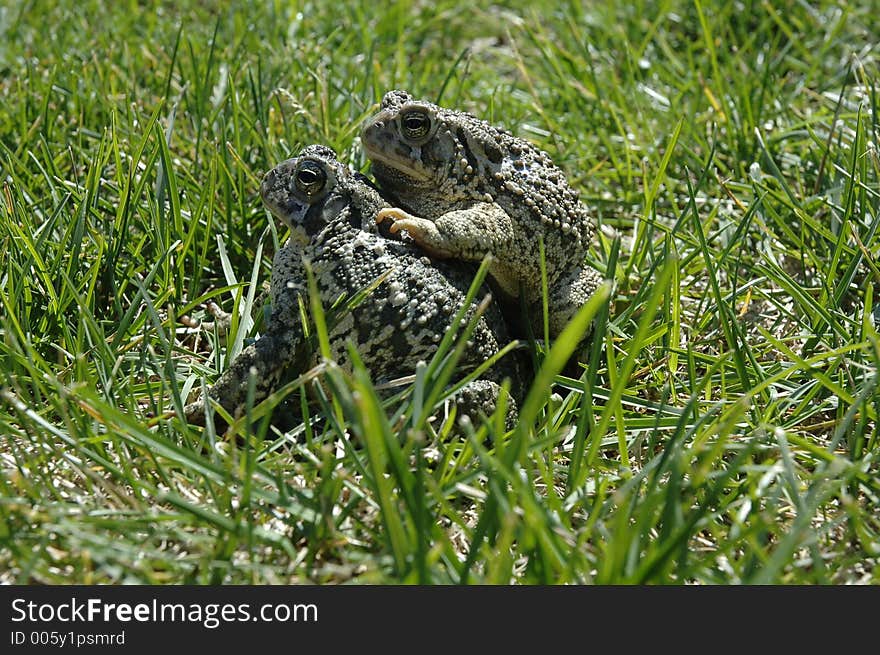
465 188
332 215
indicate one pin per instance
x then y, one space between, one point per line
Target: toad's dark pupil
307 177
310 179
416 125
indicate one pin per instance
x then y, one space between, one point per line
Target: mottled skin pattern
465 188
332 215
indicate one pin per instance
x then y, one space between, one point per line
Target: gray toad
332 215
465 188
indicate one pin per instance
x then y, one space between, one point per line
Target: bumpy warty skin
399 324
464 188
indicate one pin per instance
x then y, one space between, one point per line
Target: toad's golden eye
310 178
415 123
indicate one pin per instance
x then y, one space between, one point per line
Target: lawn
719 427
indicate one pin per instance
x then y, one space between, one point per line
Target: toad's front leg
267 360
422 231
469 233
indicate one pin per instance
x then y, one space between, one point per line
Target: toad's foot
222 320
422 231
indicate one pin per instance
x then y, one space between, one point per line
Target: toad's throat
387 168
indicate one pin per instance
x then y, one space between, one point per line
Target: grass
722 425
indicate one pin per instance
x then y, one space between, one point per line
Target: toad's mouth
388 168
